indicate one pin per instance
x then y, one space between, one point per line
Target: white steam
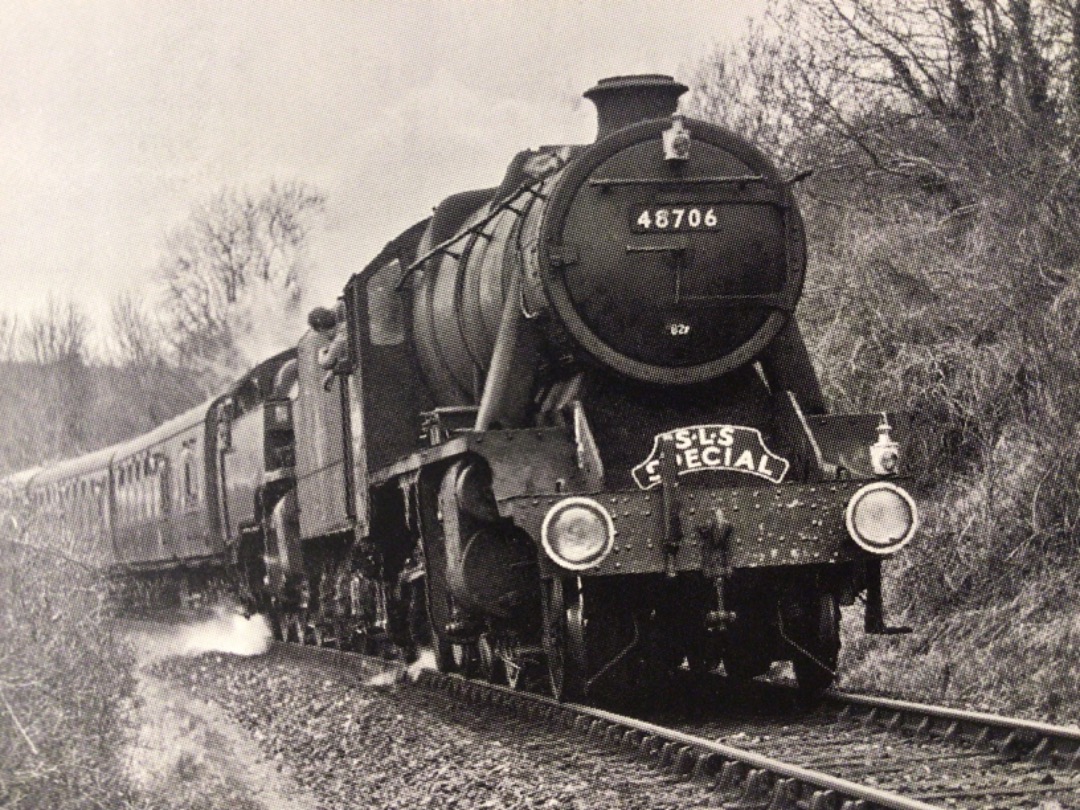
395 674
268 317
386 678
425 661
228 632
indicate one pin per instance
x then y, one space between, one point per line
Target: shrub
64 675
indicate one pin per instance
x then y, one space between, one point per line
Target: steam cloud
227 632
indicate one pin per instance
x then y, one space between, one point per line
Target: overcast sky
118 116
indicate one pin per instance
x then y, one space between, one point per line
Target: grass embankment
957 320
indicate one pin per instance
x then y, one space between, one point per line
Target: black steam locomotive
567 426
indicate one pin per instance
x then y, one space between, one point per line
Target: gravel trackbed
334 742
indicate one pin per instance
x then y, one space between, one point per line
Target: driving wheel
818 645
563 642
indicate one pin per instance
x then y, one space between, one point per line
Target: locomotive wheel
360 641
299 628
490 666
563 643
341 635
596 650
277 627
439 606
466 658
819 640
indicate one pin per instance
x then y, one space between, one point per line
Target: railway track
851 753
1010 737
756 750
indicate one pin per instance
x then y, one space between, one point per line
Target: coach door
222 445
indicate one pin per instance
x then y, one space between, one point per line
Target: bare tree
136 334
9 335
155 387
57 334
56 340
231 247
962 101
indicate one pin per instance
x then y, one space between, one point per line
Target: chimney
624 100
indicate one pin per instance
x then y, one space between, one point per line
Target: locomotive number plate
674 218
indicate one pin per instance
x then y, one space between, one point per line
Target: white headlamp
881 518
578 533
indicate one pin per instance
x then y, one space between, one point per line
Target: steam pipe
502 359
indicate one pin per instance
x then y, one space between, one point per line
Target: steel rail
1011 735
946 713
762 778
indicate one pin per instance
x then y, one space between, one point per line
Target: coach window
124 493
133 490
189 488
129 500
138 502
119 494
125 473
146 487
135 502
386 314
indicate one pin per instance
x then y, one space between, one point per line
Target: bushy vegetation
944 239
59 410
64 677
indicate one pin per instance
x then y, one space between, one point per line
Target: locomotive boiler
568 426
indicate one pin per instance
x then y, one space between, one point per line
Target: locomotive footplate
782 525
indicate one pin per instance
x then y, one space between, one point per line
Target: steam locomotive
565 429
